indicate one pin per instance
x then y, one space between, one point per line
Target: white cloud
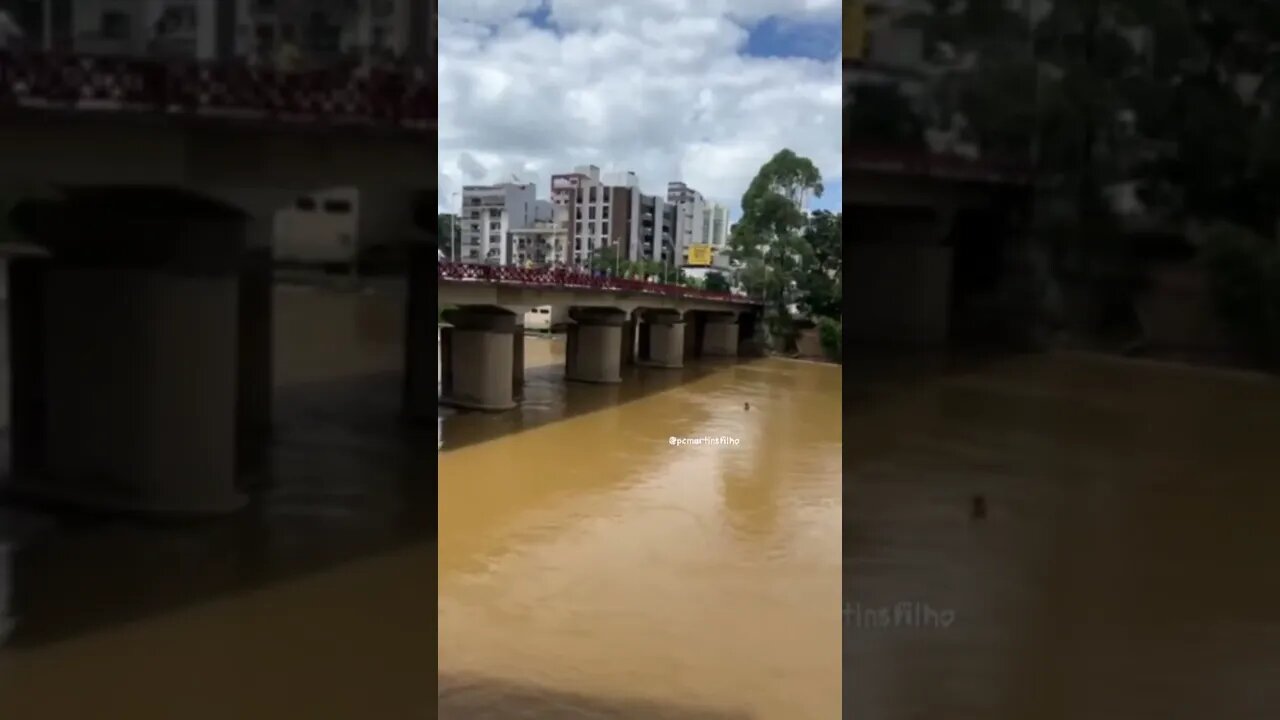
658 87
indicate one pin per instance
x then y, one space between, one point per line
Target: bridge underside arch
926 259
140 353
164 151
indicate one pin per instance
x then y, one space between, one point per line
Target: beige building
597 214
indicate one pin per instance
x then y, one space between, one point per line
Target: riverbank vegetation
1244 272
788 258
1134 114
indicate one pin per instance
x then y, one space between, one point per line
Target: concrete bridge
928 241
140 298
141 194
614 323
252 137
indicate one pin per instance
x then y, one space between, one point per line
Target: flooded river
586 567
1125 566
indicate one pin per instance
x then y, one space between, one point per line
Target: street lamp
454 239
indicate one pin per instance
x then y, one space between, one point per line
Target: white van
338 226
538 318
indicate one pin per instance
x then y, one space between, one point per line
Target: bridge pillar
695 322
517 360
131 352
720 336
629 341
751 341
664 347
594 348
256 385
480 368
642 340
419 394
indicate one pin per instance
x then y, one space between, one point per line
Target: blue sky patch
540 17
776 37
832 197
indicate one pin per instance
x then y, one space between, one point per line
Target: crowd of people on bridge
375 83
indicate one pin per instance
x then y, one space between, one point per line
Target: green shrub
829 336
1244 277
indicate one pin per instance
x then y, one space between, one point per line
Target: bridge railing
399 96
939 165
569 278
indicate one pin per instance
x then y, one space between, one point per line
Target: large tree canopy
785 256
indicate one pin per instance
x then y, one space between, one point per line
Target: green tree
606 259
768 242
717 282
448 234
1178 97
818 278
879 114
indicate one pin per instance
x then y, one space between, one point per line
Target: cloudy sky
703 91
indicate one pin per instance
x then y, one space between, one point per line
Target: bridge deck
577 281
401 96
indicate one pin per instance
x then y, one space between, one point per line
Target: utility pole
455 238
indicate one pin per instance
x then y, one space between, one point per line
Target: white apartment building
715 226
323 27
690 222
488 214
564 200
657 229
597 214
541 244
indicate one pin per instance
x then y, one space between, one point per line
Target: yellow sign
855 29
699 255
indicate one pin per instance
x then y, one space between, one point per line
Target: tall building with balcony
326 29
715 226
542 244
657 229
690 209
180 28
606 216
488 214
597 214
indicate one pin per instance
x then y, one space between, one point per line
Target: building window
591 194
591 213
305 204
337 207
